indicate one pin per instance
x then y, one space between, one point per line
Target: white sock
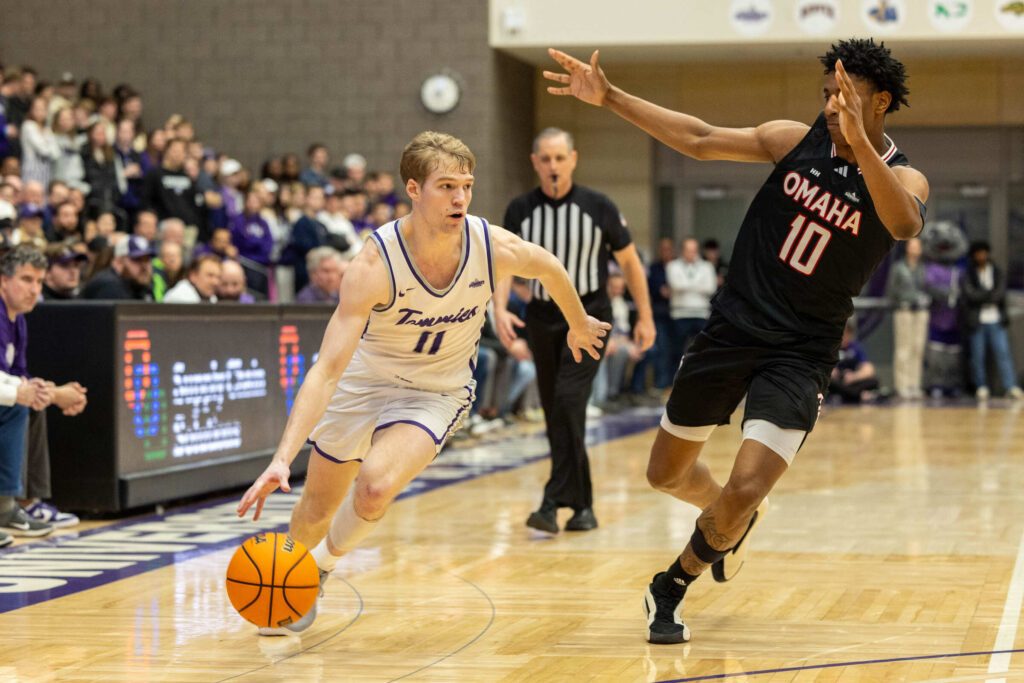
346 532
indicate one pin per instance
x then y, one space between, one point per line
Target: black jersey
808 244
579 229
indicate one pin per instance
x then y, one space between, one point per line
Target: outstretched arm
364 286
687 134
513 256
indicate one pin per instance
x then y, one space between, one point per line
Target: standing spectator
326 269
621 349
130 275
156 144
290 168
985 321
307 233
68 167
711 252
232 284
129 166
907 290
39 149
691 281
336 217
201 284
64 96
316 172
171 193
63 271
100 171
581 227
250 233
106 115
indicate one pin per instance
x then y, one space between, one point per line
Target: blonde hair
428 150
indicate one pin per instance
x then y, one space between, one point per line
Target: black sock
676 577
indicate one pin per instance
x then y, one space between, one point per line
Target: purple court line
811 667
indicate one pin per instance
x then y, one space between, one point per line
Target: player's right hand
583 81
505 326
274 477
587 339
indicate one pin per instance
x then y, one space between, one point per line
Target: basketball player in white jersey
394 375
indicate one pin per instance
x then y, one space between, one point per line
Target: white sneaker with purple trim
45 512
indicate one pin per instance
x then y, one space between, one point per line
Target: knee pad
784 442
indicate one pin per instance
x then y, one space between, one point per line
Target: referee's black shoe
663 604
545 518
583 520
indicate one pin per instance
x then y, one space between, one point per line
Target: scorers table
183 399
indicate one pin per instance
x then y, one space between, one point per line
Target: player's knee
371 499
741 498
660 477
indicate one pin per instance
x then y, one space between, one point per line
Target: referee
580 227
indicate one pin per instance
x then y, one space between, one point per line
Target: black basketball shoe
663 604
544 518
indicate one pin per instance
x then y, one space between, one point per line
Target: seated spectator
200 286
232 284
33 194
985 320
380 214
335 218
146 225
293 198
167 268
402 209
316 173
355 207
380 187
56 194
219 245
620 347
326 269
290 169
853 379
250 234
173 230
63 271
230 180
21 275
130 274
355 168
30 228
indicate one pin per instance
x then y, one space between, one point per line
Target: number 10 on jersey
798 257
421 344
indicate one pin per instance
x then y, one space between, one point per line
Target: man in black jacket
129 276
168 191
985 320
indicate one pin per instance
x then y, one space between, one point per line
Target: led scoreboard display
182 399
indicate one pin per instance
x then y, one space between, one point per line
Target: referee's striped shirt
580 229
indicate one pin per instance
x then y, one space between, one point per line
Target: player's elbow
904 230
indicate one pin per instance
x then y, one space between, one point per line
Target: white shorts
364 403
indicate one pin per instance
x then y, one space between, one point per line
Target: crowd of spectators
156 214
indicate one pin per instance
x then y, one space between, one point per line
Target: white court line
1000 663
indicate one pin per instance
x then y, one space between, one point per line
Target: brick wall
265 77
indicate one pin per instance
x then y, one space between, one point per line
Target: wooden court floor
893 552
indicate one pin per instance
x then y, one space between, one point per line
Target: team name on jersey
409 317
831 209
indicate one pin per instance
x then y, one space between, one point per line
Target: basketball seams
284 593
259 575
251 583
262 555
273 570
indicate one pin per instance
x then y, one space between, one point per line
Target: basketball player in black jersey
839 196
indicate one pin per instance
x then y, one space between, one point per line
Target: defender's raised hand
581 80
587 339
851 121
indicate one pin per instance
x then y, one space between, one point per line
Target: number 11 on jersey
797 258
424 338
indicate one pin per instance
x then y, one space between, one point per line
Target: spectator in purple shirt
22 270
250 233
326 269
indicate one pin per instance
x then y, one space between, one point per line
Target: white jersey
427 338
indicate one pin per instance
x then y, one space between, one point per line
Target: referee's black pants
564 387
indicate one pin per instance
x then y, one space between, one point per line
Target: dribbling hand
274 477
584 81
587 339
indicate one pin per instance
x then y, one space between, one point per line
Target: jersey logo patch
841 170
407 289
853 196
476 283
816 173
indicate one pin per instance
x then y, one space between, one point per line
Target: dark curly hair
862 57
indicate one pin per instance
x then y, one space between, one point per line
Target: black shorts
783 384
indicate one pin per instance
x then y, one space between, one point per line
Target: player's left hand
644 334
587 339
851 122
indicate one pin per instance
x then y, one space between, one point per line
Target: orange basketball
272 580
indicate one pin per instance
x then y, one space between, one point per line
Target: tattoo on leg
708 526
690 563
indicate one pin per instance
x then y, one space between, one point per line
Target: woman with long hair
100 170
68 167
39 150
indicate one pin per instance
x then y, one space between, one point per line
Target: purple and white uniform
415 361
